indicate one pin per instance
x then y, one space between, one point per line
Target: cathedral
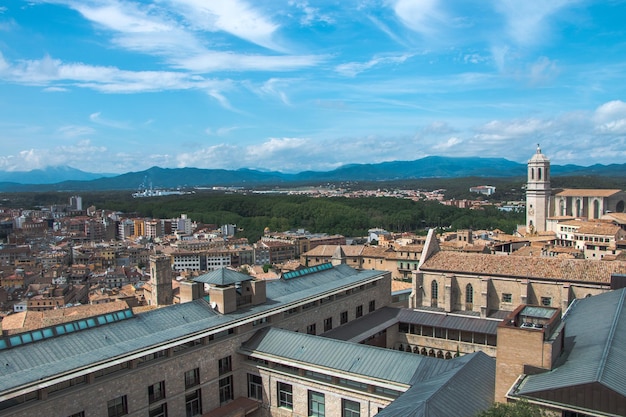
543 202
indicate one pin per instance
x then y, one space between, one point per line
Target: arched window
434 293
539 174
469 294
532 173
596 209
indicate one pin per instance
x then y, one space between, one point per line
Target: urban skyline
117 86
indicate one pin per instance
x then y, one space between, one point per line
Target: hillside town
434 308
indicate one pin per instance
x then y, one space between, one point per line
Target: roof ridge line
609 342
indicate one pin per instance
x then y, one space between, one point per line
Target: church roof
581 270
574 192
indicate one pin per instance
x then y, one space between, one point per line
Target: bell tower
538 193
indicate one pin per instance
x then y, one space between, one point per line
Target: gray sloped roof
366 326
447 321
373 362
462 391
438 387
595 329
222 276
44 359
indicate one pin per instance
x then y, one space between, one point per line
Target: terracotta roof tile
525 267
573 192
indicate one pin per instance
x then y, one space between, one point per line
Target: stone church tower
161 280
538 193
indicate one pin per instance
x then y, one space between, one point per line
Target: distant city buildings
483 189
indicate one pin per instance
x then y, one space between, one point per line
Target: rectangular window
317 408
372 305
546 301
160 411
226 389
192 378
156 392
343 317
255 387
310 329
328 324
507 298
285 395
359 311
350 408
225 365
193 404
117 407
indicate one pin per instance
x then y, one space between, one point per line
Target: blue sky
119 85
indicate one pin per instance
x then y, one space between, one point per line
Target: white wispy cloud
71 131
212 61
235 17
310 14
221 131
422 16
275 87
611 117
352 69
80 154
98 119
528 22
57 75
450 143
177 34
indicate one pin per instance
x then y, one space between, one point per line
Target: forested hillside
346 216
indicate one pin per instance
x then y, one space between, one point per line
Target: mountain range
70 179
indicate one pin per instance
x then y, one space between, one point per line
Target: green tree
516 409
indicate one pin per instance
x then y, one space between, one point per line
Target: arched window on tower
596 209
539 174
434 293
532 173
469 297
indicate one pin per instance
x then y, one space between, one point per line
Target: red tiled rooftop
525 267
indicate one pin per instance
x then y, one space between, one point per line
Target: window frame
343 317
284 393
225 365
193 403
117 406
226 389
255 387
316 404
328 324
156 392
350 408
192 373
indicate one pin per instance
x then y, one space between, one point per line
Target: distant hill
50 175
69 179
